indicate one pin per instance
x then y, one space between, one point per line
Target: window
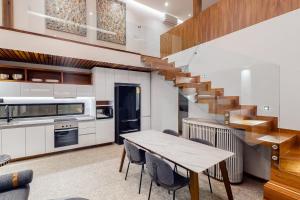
42 110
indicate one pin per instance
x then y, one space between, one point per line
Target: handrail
222 18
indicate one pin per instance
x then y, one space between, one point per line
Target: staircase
241 116
285 177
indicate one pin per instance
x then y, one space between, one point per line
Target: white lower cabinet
87 140
35 141
13 142
146 123
105 131
49 133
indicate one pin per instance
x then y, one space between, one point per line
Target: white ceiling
178 8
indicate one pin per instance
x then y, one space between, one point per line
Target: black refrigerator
127 110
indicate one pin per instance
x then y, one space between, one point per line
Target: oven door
65 137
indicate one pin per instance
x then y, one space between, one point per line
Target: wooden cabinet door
13 142
35 140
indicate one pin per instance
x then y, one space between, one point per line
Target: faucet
8 118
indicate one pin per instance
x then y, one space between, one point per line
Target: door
128 110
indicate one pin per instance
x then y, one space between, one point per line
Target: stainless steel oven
65 133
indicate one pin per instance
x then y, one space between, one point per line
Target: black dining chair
171 132
163 175
205 142
135 156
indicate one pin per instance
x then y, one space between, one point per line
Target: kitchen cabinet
49 133
99 82
146 94
105 131
64 91
85 91
13 142
10 89
87 128
146 123
121 76
36 90
35 141
87 140
109 84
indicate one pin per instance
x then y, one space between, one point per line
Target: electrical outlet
266 108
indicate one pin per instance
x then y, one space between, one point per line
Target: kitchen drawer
90 124
84 131
87 140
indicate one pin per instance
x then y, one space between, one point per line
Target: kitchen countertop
17 123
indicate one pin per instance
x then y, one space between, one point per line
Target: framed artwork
66 16
111 21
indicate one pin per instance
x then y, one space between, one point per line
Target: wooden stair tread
274 190
192 85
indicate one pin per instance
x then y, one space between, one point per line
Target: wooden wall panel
46 59
222 18
8 13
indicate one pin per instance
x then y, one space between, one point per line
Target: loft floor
93 174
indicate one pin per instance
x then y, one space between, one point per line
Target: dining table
192 156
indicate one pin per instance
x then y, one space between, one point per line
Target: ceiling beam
8 13
197 7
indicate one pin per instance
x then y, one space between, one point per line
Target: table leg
226 179
194 185
122 160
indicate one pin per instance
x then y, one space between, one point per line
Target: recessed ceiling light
91 13
166 4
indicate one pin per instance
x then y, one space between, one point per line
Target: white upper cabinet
36 90
85 91
64 91
99 82
10 89
135 77
121 76
110 84
104 80
146 94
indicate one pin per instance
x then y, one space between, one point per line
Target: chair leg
175 168
127 170
174 194
141 177
150 190
209 181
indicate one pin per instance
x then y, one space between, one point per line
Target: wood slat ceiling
46 59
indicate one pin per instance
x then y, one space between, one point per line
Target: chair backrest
201 141
160 171
133 153
170 132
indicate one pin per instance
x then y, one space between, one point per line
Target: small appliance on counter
104 110
127 110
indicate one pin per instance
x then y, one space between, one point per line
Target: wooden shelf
63 77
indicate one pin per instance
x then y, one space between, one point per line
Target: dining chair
135 156
163 175
205 142
170 132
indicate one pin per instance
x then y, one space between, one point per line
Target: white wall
164 104
271 44
145 40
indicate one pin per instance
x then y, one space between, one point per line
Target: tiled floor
93 174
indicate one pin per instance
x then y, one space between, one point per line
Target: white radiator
223 138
